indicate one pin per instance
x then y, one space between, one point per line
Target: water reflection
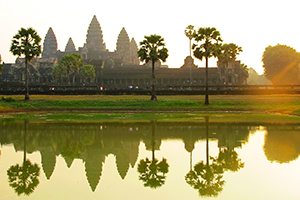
282 144
92 143
24 178
153 173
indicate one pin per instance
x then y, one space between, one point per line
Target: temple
120 68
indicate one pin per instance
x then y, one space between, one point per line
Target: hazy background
253 25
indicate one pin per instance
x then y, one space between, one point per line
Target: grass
175 108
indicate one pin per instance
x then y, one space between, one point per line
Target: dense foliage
281 64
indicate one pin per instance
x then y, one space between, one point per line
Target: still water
169 161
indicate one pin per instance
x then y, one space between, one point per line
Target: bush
8 99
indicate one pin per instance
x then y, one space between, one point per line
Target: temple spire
50 44
70 47
94 39
123 47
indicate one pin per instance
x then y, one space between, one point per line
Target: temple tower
50 45
123 47
134 49
94 40
70 47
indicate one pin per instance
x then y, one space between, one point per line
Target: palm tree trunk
206 81
153 93
26 80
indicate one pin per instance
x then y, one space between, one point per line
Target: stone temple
120 68
94 48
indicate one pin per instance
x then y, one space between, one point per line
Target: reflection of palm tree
152 173
206 178
24 179
229 160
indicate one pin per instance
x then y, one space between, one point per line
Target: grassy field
259 107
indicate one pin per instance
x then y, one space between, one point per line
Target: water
152 160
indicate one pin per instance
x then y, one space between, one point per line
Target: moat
148 160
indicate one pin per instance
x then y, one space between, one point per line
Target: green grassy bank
100 107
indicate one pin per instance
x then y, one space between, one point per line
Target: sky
252 25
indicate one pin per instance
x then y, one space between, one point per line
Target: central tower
94 40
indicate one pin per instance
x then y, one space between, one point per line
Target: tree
209 48
87 72
281 64
26 42
59 71
189 32
73 63
229 53
1 66
153 49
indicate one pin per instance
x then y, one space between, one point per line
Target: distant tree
87 72
1 66
189 32
229 53
210 47
281 64
153 49
73 64
58 72
26 42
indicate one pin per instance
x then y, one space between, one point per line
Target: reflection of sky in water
259 179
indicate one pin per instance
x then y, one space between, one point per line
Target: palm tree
153 49
189 32
26 42
228 54
59 71
209 48
87 72
73 63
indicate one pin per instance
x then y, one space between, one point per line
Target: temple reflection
94 142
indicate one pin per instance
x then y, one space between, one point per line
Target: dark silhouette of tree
206 178
24 179
281 64
26 42
153 49
210 47
153 173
